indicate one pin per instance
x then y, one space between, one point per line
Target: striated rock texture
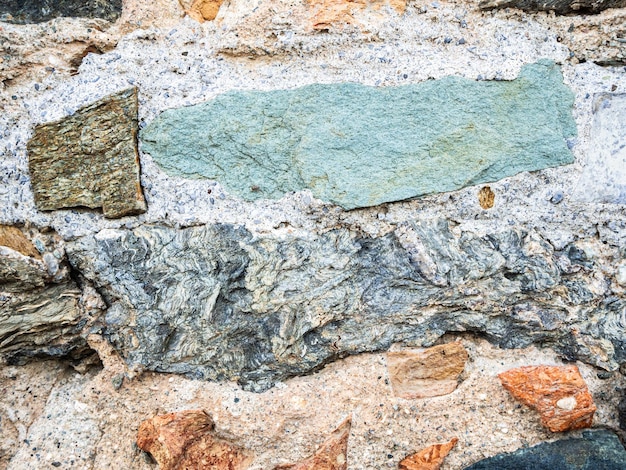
359 146
433 372
558 6
430 458
186 441
215 302
39 302
37 11
558 393
89 159
332 454
596 450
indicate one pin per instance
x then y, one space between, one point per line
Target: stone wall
312 234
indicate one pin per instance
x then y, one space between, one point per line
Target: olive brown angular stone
359 146
558 6
428 373
37 11
186 440
332 454
216 302
596 450
89 159
430 458
558 393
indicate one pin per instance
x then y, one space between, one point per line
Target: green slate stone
359 146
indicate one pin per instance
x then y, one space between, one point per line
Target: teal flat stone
360 146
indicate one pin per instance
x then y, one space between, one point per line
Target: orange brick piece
332 455
430 458
186 441
558 393
325 13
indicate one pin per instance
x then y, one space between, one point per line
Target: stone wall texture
312 234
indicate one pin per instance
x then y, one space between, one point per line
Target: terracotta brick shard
186 441
426 373
202 10
430 458
558 393
89 159
332 455
325 13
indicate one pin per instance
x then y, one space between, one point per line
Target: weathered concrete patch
596 449
558 6
604 177
216 303
37 11
332 454
358 146
89 159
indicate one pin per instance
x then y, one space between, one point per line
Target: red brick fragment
186 441
430 458
558 393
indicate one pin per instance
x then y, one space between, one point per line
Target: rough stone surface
430 458
604 176
596 450
621 410
40 312
332 454
202 10
558 6
559 394
216 302
87 420
486 197
328 13
89 159
37 11
428 373
185 440
360 146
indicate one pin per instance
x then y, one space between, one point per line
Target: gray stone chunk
558 6
39 312
89 159
597 450
604 174
217 303
359 146
37 11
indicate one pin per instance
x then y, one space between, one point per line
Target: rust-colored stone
186 441
430 458
426 373
12 237
332 455
486 197
325 13
202 10
558 393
